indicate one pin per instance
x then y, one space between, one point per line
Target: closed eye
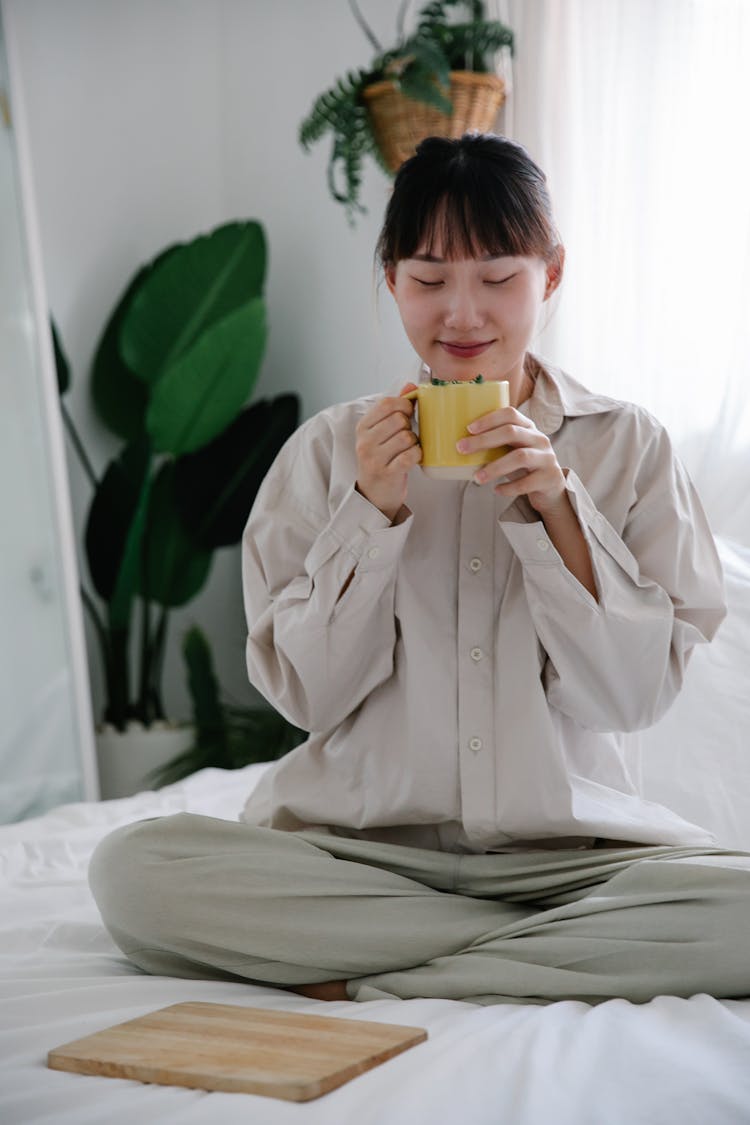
427 284
502 280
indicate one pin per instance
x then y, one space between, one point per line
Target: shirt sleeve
619 663
312 651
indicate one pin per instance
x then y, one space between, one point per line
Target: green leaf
118 395
62 367
255 734
199 285
421 87
173 568
428 59
333 105
111 514
215 487
202 682
128 575
200 393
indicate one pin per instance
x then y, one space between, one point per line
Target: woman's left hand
530 463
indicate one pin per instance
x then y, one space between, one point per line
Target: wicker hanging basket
400 123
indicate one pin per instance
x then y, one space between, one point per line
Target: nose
464 310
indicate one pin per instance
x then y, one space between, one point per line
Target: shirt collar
556 396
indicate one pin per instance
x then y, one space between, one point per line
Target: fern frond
435 14
344 173
420 85
468 45
431 15
427 56
332 106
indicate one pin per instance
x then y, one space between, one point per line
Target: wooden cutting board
241 1050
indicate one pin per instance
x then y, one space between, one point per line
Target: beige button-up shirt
466 692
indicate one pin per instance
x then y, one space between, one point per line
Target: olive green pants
193 896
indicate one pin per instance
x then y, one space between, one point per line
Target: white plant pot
127 758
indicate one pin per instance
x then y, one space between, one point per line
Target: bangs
471 225
464 199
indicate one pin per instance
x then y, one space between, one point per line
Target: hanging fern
469 46
419 65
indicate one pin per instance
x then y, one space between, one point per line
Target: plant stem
145 672
95 618
78 446
157 662
365 26
118 679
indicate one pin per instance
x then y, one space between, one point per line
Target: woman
461 822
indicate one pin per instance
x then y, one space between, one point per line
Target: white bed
669 1062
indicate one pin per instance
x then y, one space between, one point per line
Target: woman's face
471 316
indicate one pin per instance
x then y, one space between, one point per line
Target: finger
400 443
508 415
511 435
383 409
408 387
406 460
395 423
520 462
524 460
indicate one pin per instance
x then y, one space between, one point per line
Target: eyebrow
441 261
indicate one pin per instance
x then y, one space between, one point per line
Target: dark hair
479 194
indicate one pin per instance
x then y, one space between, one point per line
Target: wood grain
240 1050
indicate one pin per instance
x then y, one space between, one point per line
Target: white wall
153 120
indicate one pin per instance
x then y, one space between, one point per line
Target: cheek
417 314
523 310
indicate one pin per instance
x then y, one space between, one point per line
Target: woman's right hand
387 449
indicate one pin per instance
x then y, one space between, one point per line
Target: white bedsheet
668 1062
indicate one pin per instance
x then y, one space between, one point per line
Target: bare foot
326 990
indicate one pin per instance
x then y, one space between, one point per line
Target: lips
465 349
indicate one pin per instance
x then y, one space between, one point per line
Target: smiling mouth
466 349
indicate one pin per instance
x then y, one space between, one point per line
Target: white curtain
639 112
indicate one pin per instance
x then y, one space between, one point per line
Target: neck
526 385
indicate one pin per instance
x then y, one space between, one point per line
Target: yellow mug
444 413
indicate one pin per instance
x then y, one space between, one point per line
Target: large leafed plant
174 369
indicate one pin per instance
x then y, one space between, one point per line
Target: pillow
696 759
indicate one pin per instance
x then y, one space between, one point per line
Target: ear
554 271
390 276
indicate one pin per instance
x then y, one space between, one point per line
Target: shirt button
475 565
475 744
476 654
542 544
373 552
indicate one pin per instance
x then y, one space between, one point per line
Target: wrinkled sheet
61 977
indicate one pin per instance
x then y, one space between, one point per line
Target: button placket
476 623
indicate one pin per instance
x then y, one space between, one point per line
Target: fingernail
472 427
480 477
461 446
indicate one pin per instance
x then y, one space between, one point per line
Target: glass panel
40 758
